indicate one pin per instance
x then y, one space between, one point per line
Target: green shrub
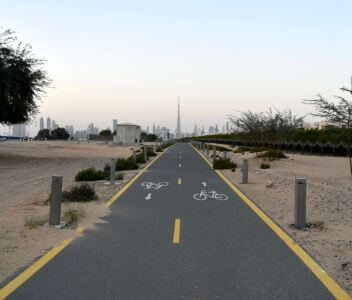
79 193
221 164
159 149
150 152
119 176
264 165
90 174
272 154
140 158
126 164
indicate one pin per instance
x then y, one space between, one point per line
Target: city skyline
134 63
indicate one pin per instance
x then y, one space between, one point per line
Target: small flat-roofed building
127 133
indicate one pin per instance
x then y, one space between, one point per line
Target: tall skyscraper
48 123
41 126
178 129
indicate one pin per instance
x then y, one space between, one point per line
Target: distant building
70 130
81 135
48 123
41 125
227 127
19 130
54 125
127 133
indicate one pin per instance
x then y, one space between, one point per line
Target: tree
148 137
59 134
271 125
43 134
340 112
22 80
105 132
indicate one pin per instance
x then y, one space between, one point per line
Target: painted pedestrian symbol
203 195
155 186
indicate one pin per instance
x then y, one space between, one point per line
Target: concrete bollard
55 200
145 153
245 171
112 171
134 155
300 202
214 154
224 155
208 149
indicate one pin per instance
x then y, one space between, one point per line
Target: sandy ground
25 179
329 200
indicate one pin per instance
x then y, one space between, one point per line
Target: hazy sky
130 60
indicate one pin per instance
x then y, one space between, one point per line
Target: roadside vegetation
79 193
221 164
91 174
264 165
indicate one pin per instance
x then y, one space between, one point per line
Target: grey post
112 171
225 154
245 171
145 154
134 155
208 149
300 202
214 154
55 200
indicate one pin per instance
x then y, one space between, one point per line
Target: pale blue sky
130 60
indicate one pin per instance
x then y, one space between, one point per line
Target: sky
131 60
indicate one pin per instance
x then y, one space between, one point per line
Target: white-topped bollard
245 171
55 200
300 202
207 149
224 155
112 171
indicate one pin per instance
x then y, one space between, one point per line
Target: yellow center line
176 239
179 181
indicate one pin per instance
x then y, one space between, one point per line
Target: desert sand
25 179
329 204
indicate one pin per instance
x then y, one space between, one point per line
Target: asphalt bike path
179 232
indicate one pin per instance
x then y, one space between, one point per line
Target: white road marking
204 183
149 196
155 186
203 195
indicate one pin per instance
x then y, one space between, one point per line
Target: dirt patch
25 178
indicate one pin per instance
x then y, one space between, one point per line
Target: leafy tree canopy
22 80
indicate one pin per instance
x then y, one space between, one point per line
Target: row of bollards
300 188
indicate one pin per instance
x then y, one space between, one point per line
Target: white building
41 125
19 130
127 133
48 123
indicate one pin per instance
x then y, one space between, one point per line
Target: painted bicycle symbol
203 195
155 186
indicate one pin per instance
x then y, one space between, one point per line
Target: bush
272 154
140 158
90 174
264 165
159 149
33 221
126 164
72 216
221 164
150 152
79 193
119 177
